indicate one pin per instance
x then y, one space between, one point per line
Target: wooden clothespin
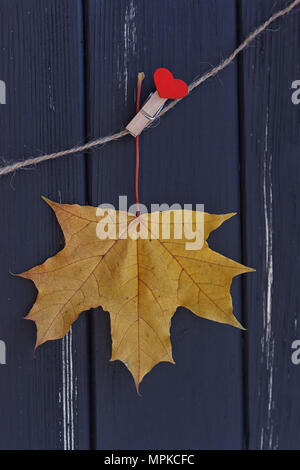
167 88
149 112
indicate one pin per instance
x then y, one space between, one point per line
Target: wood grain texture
70 68
190 157
270 185
44 402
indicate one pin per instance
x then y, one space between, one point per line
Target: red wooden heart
168 86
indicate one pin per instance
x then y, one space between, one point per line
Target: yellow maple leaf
140 279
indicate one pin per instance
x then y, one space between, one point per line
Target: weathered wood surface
192 156
70 68
43 396
270 141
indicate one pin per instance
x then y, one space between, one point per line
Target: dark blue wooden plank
271 168
43 396
191 157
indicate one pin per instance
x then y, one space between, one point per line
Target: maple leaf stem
140 79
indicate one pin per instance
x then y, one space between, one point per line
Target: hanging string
103 140
141 77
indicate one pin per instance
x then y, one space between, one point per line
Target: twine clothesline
211 73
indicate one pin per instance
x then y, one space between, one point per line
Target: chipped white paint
50 94
129 44
69 393
268 345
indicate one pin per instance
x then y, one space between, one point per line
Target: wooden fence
70 70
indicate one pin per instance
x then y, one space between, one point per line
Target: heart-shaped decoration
169 87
